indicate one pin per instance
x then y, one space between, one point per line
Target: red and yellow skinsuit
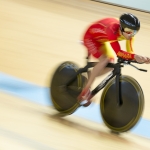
100 34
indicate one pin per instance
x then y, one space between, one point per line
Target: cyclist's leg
105 55
98 70
93 49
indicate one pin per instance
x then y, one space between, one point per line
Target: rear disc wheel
64 98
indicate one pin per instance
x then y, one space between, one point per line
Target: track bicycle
122 99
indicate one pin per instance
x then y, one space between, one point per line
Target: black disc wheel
122 117
64 98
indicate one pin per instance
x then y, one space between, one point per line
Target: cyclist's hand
142 59
148 60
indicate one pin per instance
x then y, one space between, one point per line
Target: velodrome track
35 37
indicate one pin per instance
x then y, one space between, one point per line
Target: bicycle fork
118 85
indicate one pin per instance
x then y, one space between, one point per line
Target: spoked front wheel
64 98
121 118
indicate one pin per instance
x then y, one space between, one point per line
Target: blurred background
35 37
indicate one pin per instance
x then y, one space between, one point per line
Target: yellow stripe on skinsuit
129 44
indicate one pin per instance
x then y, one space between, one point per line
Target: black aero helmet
130 21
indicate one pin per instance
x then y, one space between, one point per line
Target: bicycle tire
64 99
122 118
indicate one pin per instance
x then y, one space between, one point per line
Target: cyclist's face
128 33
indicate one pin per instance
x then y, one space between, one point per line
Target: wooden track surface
28 126
35 37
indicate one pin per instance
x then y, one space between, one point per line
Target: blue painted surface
24 89
37 94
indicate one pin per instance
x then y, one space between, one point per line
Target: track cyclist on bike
102 40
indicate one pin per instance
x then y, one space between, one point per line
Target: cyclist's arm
129 45
120 53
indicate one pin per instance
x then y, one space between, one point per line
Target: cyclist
102 40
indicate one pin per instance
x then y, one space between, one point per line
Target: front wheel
122 118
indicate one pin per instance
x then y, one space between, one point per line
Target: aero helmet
130 21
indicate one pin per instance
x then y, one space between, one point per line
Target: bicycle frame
115 73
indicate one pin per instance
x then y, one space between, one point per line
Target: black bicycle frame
116 72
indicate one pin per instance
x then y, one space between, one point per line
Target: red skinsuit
106 30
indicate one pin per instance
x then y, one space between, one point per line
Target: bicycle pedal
85 103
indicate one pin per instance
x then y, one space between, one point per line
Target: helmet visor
130 32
